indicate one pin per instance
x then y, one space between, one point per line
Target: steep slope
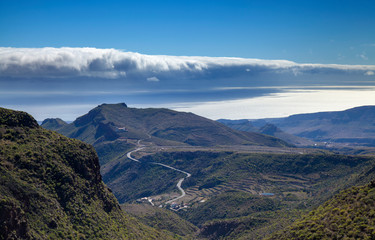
109 122
349 215
354 126
51 187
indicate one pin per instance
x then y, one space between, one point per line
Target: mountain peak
17 119
113 104
115 121
53 123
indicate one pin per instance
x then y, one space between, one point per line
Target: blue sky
66 82
303 31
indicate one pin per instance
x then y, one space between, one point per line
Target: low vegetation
232 184
349 215
161 219
230 204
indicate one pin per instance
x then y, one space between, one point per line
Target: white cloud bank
73 80
281 104
112 63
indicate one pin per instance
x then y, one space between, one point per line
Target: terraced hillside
294 183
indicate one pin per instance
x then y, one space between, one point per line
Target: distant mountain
109 122
51 187
348 215
355 126
267 129
53 123
272 130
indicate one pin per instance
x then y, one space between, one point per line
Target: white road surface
166 166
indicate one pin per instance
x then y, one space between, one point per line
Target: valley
228 183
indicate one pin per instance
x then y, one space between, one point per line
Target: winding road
140 147
129 154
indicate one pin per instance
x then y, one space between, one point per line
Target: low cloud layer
47 81
112 63
282 104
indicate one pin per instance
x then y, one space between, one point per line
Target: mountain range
109 122
267 129
352 127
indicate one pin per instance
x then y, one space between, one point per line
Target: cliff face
51 187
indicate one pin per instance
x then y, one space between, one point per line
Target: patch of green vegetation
229 204
161 219
130 180
318 175
53 124
51 188
109 151
348 215
239 215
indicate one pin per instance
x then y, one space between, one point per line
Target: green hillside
51 187
230 204
161 219
232 184
240 215
130 180
349 215
317 175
